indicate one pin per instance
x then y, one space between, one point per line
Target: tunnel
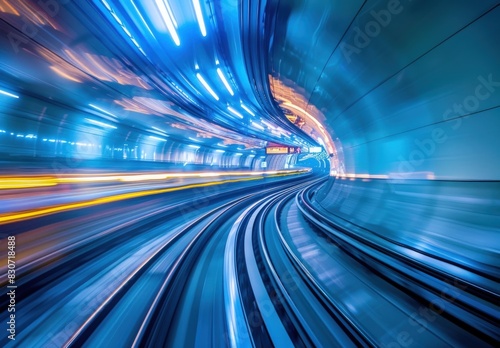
250 173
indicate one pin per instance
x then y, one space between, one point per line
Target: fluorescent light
117 19
258 126
247 109
107 5
159 130
199 17
142 18
102 110
194 146
267 124
126 31
223 78
135 42
194 139
169 20
9 94
221 151
156 138
99 123
235 112
207 87
238 154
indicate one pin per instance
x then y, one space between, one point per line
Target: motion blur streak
41 181
249 173
11 217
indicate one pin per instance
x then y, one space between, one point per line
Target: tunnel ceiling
155 66
384 86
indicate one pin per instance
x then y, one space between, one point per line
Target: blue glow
194 146
223 78
220 151
169 20
199 17
207 87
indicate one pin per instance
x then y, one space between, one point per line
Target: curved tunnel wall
439 113
31 130
412 91
410 88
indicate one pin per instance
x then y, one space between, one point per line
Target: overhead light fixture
157 138
220 151
199 17
268 124
247 109
117 19
159 130
142 18
101 110
9 94
99 123
234 112
194 146
207 87
107 5
168 19
256 125
223 78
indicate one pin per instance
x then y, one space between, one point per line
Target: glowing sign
282 150
277 150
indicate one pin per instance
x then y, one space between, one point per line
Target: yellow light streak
43 181
29 214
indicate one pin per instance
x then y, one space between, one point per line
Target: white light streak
169 20
199 17
207 87
224 81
